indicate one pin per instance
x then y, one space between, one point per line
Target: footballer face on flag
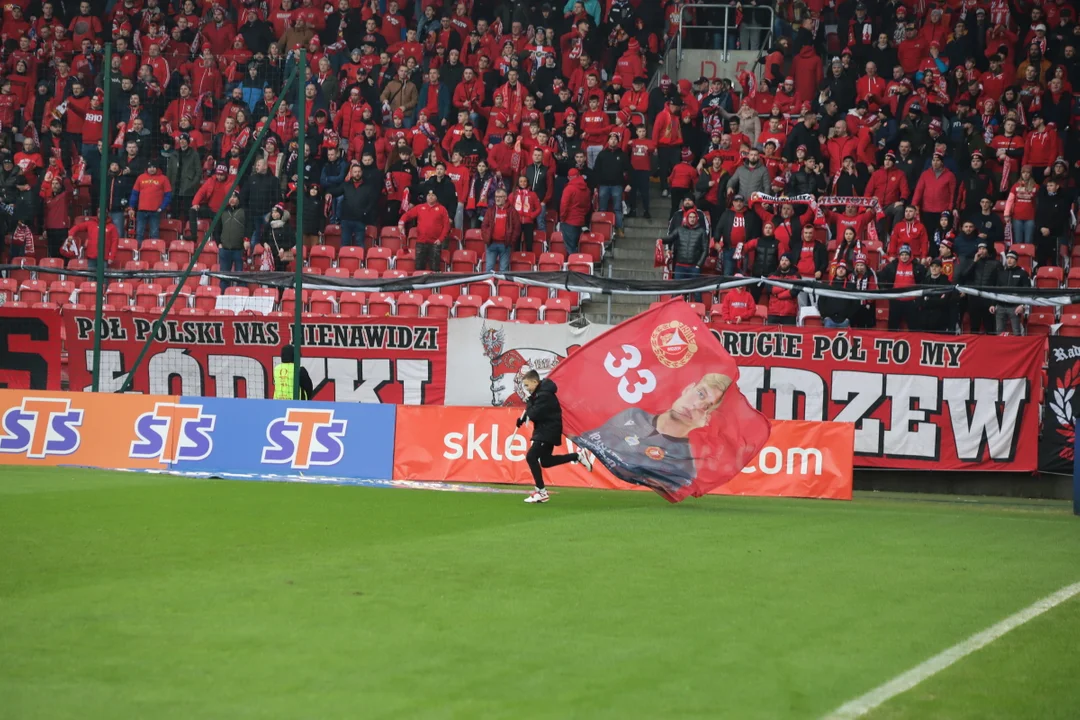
655 400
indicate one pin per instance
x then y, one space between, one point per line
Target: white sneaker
538 496
664 194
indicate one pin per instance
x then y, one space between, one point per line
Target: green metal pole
103 215
298 253
294 75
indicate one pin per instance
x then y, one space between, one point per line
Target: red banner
376 360
469 444
655 400
29 349
918 401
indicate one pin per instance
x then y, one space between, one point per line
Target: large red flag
657 402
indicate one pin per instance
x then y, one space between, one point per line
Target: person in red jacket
889 185
668 136
683 179
149 197
432 227
783 304
501 230
912 233
208 200
737 306
1041 146
808 71
90 248
574 209
528 207
935 192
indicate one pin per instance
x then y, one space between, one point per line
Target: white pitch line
902 683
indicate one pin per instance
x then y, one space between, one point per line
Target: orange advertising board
469 444
57 428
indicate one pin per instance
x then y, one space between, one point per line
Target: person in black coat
837 312
938 311
543 409
1051 222
983 273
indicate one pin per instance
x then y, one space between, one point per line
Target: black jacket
804 182
937 302
839 309
1051 211
887 276
544 410
1016 277
691 244
611 168
444 191
360 201
766 256
722 230
260 193
984 272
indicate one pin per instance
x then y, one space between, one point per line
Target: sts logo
172 433
41 427
304 438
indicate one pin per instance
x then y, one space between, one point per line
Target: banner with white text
371 360
918 401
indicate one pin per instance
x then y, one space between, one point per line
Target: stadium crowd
885 143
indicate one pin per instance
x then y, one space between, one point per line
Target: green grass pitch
138 596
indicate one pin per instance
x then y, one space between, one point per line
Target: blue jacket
592 7
444 103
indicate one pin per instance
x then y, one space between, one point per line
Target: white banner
485 359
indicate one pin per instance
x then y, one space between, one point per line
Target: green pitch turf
136 596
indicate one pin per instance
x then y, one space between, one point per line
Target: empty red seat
332 236
466 306
322 257
556 310
24 271
162 266
338 272
378 258
527 309
351 258
580 262
192 312
60 291
151 251
497 308
592 245
136 266
78 264
538 291
1039 321
237 291
409 304
148 295
1070 325
206 296
509 289
351 303
522 261
463 261
52 264
405 261
33 291
393 275
380 305
1049 276
550 262
474 242
126 250
208 255
288 300
119 293
323 302
482 290
438 305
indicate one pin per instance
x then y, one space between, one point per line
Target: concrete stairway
631 258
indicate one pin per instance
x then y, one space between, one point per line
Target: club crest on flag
674 344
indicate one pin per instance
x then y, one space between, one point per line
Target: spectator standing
1010 277
574 209
501 231
610 174
1051 223
1020 207
935 192
234 238
838 312
150 196
432 227
690 246
783 305
938 309
903 272
208 200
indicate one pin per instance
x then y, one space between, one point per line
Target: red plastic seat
332 236
323 302
463 261
60 291
51 264
120 293
527 309
1070 325
288 300
33 291
556 310
1049 276
180 252
192 312
538 291
206 296
393 275
351 258
405 261
351 303
207 256
466 306
592 245
409 304
522 261
1039 321
78 264
322 257
1073 280
482 290
438 305
25 271
338 272
380 305
151 251
580 262
497 308
366 274
162 266
474 242
378 258
148 296
550 262
237 291
1026 254
126 250
509 289
136 266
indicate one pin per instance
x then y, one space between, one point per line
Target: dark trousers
539 456
428 257
904 312
55 237
639 190
528 236
982 321
206 213
667 157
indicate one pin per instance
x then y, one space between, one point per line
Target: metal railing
727 28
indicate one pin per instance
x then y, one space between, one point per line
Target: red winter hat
665 81
687 154
221 170
399 113
574 172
